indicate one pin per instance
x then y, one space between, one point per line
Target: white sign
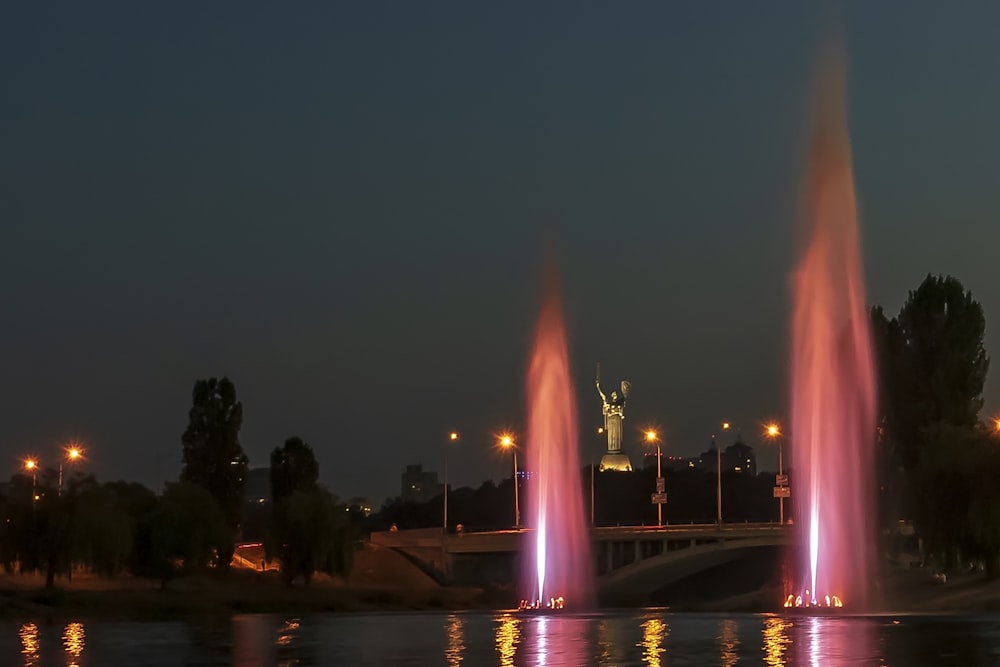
781 480
660 485
658 498
782 492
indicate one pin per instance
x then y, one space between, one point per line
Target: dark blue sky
344 208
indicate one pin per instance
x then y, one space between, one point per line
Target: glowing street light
718 475
652 437
73 453
452 437
996 425
506 441
31 465
773 432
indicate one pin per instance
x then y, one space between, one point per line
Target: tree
293 468
302 535
933 363
316 535
185 527
213 457
103 531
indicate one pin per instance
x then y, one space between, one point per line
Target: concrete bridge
631 562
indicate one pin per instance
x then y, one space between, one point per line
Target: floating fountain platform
554 605
828 605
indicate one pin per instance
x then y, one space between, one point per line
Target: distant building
418 485
258 487
737 457
669 462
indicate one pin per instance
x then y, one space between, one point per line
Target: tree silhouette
293 468
213 457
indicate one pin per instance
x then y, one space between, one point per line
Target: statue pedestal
615 461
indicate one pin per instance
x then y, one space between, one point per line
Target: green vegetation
309 531
53 527
213 457
938 462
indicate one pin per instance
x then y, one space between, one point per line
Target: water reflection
456 641
74 639
555 641
654 631
729 643
508 636
776 640
253 643
287 634
830 642
28 633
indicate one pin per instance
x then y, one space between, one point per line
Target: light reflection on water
29 644
775 634
654 632
456 641
653 638
729 643
508 636
74 639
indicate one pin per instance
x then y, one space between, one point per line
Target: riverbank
220 594
381 580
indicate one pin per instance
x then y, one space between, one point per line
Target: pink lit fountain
557 567
833 383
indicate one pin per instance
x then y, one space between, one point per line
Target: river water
635 637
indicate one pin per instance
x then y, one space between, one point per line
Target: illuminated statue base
615 461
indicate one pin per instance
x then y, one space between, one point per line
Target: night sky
345 207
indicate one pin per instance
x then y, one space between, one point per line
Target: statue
614 414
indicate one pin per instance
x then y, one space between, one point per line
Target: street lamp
773 432
658 497
73 454
506 441
32 466
452 437
718 475
593 463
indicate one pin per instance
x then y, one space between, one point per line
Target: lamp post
452 437
593 462
507 442
773 431
73 453
32 466
718 474
653 437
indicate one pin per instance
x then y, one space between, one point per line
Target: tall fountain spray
559 565
833 383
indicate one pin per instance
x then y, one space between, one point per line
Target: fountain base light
813 602
553 604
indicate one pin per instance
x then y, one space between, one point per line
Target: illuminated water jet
833 383
559 565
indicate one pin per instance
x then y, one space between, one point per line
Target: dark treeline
56 526
619 498
938 461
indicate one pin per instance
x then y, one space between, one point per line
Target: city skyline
346 211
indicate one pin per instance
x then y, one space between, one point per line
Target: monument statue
614 414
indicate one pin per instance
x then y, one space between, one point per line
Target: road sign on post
782 492
661 485
781 480
658 498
